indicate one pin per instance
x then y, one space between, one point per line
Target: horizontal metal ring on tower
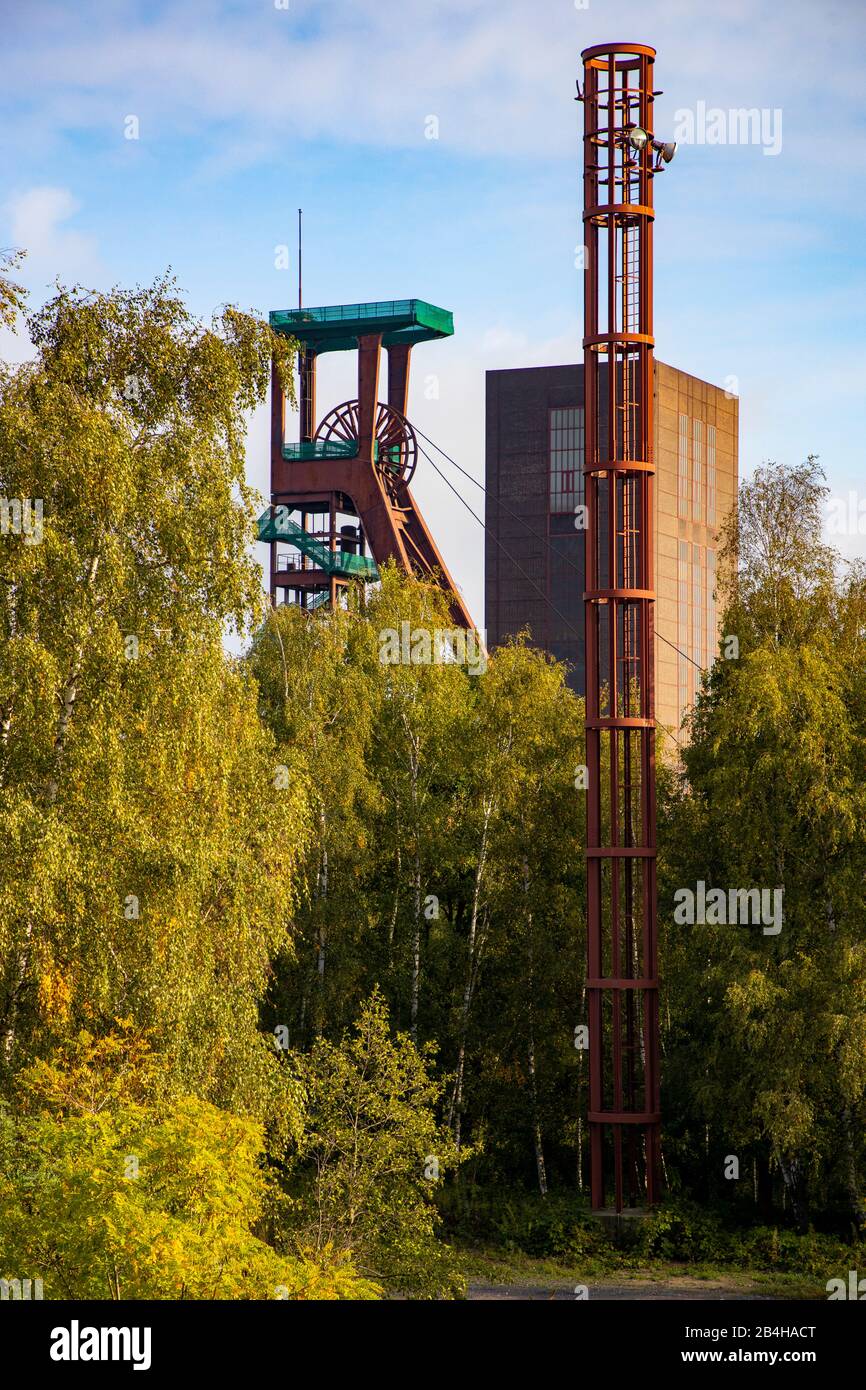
600 136
604 210
621 852
625 721
602 339
619 466
599 50
621 982
593 594
624 1117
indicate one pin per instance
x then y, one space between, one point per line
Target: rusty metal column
398 376
369 353
622 967
307 378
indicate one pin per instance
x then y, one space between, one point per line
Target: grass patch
525 1240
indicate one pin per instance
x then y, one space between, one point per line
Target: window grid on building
711 475
698 471
697 619
683 466
567 439
683 625
712 636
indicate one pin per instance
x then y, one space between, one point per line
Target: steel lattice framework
358 461
622 964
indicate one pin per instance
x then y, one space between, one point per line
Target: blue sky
247 110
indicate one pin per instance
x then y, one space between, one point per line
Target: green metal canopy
337 327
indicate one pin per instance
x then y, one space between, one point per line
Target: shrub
363 1178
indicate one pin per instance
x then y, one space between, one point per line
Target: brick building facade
534 553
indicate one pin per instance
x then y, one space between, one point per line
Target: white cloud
36 219
499 74
243 83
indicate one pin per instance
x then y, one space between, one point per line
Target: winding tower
340 498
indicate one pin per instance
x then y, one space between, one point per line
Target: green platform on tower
337 327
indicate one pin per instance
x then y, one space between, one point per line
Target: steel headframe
622 967
372 431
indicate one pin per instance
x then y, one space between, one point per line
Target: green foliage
12 295
443 800
195 851
683 1231
766 1046
372 1156
109 1197
317 698
147 866
517 1221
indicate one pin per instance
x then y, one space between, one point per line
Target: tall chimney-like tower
620 160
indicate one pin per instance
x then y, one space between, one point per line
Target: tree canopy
291 945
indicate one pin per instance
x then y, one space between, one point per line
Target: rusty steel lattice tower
621 159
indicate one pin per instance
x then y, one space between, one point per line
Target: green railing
372 309
320 449
341 562
326 449
394 314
